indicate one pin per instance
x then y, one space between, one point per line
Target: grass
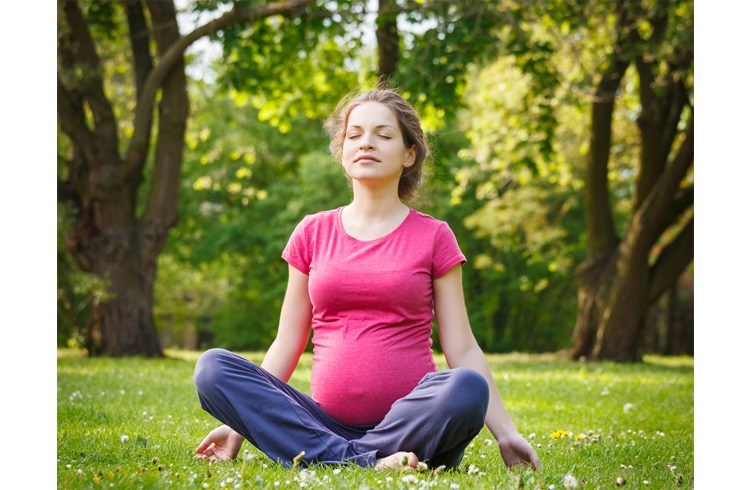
133 423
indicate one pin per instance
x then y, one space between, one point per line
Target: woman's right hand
222 444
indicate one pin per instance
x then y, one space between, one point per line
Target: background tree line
563 161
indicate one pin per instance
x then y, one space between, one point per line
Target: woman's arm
223 443
295 320
461 350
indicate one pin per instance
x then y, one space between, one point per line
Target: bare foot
398 461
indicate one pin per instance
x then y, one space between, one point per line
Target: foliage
134 423
300 66
504 90
246 186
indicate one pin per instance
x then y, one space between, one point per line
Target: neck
376 203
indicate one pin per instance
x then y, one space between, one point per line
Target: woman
366 279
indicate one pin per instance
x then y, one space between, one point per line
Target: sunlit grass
133 423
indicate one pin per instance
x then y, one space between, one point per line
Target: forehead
372 113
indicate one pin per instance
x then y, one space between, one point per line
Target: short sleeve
297 250
445 253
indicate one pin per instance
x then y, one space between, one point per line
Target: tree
121 176
121 223
624 274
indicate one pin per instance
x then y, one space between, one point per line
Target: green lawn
133 423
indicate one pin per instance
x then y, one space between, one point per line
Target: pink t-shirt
372 309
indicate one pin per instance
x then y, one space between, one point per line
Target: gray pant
437 420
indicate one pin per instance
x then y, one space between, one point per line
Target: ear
411 156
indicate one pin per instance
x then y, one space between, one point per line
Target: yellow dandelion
559 433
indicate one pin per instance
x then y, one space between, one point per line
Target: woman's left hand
516 450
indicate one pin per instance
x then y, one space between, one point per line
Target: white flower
473 469
570 482
628 407
337 471
454 485
410 479
124 438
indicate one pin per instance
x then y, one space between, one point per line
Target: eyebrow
356 126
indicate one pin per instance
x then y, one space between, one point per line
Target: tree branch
161 208
676 103
388 41
681 202
650 216
72 122
654 104
672 262
139 43
90 80
601 229
137 147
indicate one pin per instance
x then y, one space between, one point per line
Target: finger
413 460
536 462
530 457
205 444
209 450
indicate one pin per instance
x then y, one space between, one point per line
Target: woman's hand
222 443
516 450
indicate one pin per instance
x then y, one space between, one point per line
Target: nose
365 143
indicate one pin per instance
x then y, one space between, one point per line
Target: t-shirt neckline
342 230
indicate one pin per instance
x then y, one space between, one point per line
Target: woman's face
374 149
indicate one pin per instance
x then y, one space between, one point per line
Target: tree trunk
594 283
624 312
126 324
388 41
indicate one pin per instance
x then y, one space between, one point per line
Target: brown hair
408 121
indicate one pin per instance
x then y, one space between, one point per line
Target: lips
365 158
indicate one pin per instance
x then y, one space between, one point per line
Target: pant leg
273 416
436 421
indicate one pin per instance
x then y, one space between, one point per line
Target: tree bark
388 41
